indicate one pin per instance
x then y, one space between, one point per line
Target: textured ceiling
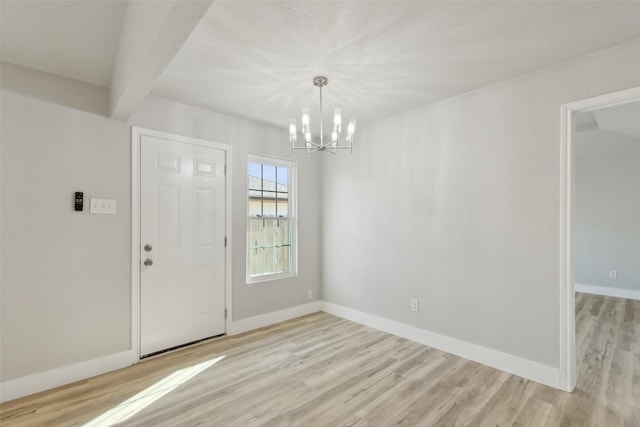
76 39
256 59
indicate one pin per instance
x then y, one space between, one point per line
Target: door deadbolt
148 262
148 247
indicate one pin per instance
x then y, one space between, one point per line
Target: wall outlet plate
309 294
415 304
613 274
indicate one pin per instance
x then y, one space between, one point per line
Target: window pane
255 204
255 187
283 177
284 231
256 261
269 175
270 232
284 258
283 205
269 203
256 194
255 183
255 233
282 188
255 171
271 261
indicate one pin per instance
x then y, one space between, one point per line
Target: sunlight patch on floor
146 397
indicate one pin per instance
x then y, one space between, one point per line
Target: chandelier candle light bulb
309 144
337 120
305 120
351 129
292 131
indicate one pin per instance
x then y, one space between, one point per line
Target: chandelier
309 144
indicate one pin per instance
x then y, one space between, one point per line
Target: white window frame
293 217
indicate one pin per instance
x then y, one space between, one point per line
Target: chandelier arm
312 147
305 147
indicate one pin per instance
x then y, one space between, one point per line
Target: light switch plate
103 206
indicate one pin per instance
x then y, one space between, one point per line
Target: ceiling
622 118
256 59
76 39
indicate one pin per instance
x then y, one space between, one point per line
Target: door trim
136 134
567 249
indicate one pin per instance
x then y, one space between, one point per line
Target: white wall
65 289
65 294
607 209
55 89
458 204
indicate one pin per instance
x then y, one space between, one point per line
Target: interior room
319 213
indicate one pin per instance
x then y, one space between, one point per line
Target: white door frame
136 134
567 250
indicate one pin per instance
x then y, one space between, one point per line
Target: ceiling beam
152 34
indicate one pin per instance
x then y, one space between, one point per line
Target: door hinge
225 170
225 313
225 241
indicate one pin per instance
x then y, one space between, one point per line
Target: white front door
182 243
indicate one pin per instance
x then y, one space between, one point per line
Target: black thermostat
79 198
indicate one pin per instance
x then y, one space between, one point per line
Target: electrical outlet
309 294
613 274
415 304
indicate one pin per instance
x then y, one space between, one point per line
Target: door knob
148 247
148 262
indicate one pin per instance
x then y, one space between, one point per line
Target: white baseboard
41 381
607 291
262 320
534 371
30 384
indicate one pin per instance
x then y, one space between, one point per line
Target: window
271 226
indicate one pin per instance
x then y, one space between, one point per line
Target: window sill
270 277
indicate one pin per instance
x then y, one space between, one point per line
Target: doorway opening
567 263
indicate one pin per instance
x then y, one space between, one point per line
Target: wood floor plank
535 413
321 370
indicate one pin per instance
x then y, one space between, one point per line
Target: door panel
182 211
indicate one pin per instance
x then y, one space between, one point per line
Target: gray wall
65 294
607 209
458 204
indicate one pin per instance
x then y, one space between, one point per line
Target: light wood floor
321 370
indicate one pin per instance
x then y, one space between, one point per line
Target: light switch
103 206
